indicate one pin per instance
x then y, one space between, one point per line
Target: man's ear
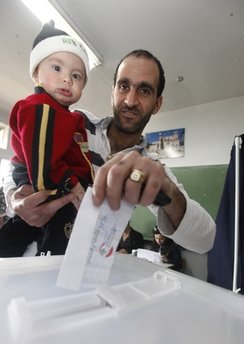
158 105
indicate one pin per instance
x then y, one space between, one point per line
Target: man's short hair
146 54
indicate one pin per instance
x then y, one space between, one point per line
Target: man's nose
131 98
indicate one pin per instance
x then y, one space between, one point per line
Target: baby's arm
44 149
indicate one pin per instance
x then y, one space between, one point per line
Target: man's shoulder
92 121
91 116
87 115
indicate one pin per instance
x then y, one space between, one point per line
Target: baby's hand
78 192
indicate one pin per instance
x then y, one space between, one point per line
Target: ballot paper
152 256
95 236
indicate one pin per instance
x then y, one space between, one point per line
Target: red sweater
51 142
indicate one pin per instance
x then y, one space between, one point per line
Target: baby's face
63 76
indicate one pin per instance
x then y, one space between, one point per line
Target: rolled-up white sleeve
197 229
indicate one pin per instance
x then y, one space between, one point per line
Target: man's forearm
184 220
176 209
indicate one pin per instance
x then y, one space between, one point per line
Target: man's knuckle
116 171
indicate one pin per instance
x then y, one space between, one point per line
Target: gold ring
137 176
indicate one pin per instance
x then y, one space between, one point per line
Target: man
136 95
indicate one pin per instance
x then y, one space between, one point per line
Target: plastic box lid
143 303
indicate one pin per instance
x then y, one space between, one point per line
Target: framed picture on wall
166 144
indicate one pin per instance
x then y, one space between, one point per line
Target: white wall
6 153
209 130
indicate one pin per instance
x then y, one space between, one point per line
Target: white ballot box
143 303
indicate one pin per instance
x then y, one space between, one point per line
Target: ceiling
201 40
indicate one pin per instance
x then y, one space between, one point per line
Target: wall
6 153
209 130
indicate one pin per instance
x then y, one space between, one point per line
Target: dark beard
138 128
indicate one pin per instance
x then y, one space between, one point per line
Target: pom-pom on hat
51 40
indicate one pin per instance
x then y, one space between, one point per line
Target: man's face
134 97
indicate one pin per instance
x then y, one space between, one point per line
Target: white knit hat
50 41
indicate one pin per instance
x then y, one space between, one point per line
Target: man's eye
123 87
146 91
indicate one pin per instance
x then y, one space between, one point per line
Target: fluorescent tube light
45 11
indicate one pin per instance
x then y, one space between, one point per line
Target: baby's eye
56 67
76 76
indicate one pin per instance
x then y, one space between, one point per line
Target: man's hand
113 181
78 192
30 207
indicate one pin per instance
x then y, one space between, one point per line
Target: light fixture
45 11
